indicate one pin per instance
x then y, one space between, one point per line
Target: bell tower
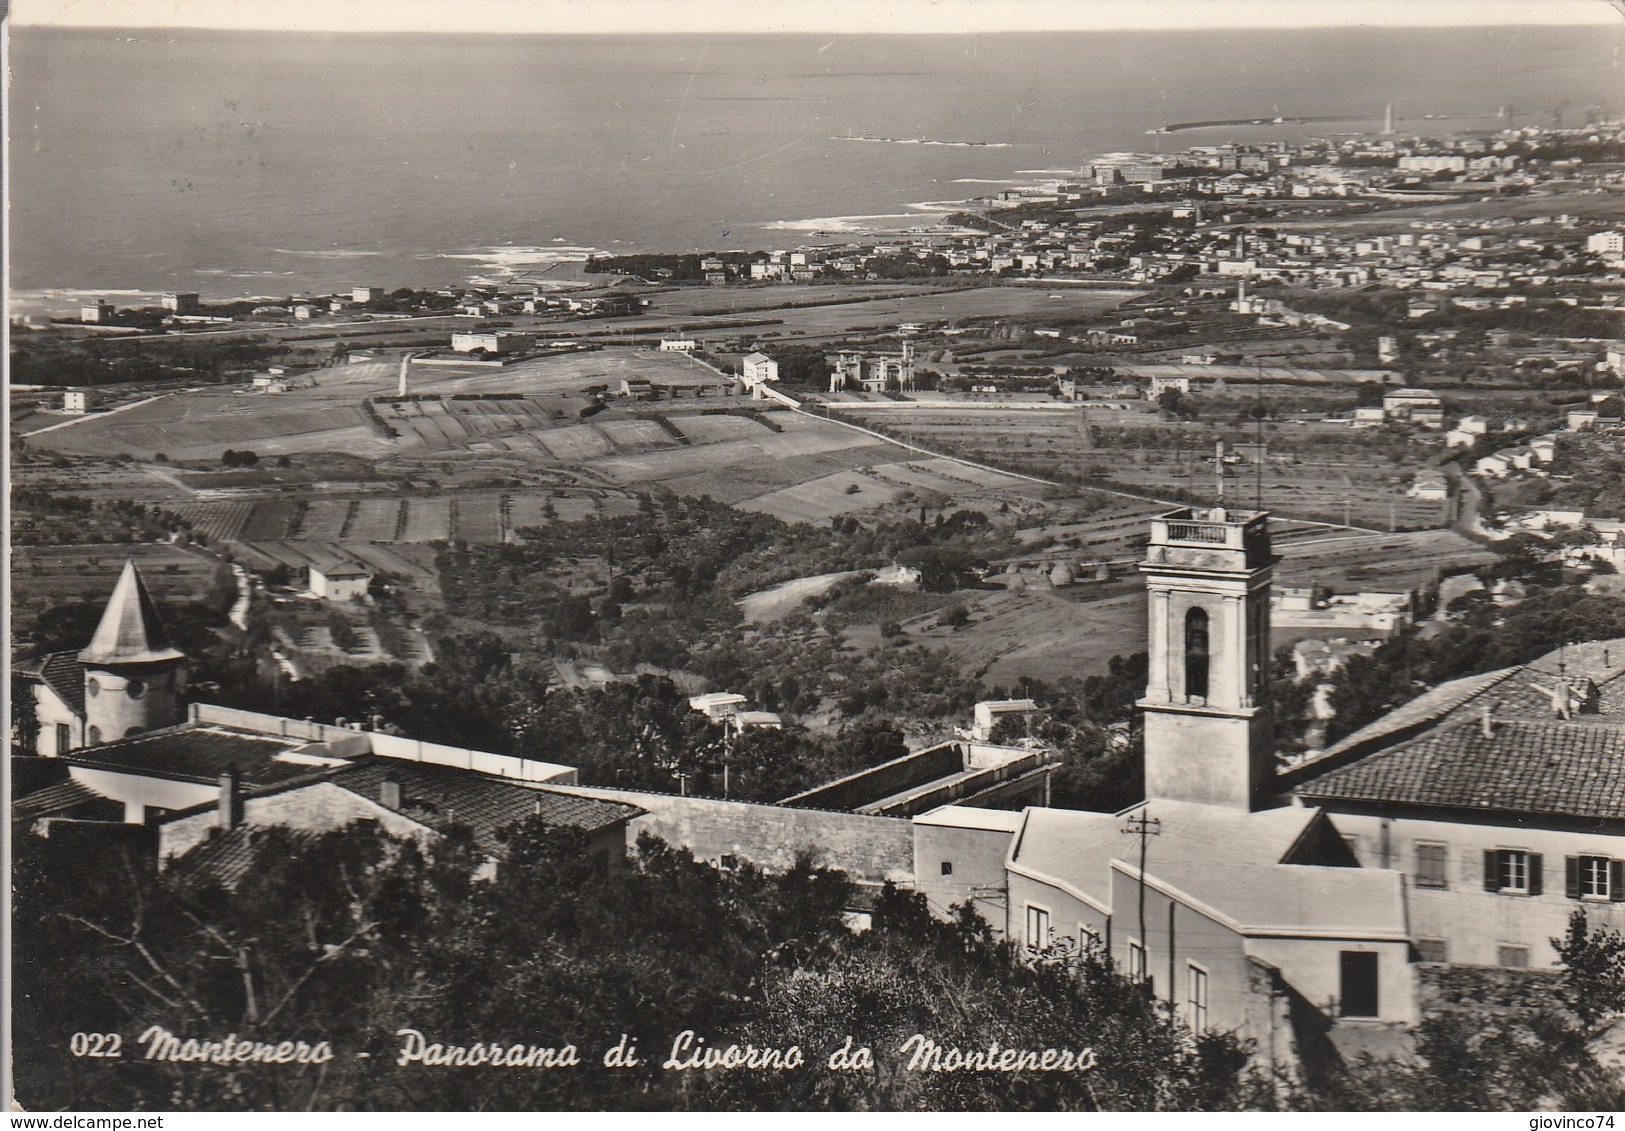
1207 736
132 672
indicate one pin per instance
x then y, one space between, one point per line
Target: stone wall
869 849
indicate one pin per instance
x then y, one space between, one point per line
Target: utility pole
1143 827
1258 440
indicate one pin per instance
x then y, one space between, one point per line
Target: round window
93 687
136 688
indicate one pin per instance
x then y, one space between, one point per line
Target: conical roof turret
131 631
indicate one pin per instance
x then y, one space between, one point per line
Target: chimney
228 810
389 793
1486 721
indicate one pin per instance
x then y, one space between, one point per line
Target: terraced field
47 576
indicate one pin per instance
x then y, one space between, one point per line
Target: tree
1593 962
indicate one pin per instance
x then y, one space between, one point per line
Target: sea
272 164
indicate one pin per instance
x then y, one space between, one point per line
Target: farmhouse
1429 485
758 369
492 342
341 581
718 705
989 713
1419 406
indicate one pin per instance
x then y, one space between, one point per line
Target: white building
494 341
718 705
990 712
758 368
77 401
345 581
678 345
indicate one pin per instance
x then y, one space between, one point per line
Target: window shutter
1571 877
1616 880
1534 874
1492 870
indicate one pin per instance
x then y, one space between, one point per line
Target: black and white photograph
870 555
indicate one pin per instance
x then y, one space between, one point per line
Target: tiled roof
60 799
1520 692
201 753
62 673
1546 767
226 857
440 796
1430 706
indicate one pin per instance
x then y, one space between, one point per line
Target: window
1432 950
135 689
1136 962
1037 928
64 738
93 735
1431 862
947 867
1198 998
1358 970
1594 877
1513 955
93 687
1196 654
1512 871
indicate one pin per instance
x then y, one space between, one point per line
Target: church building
126 681
1302 903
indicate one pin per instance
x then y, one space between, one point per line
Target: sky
803 16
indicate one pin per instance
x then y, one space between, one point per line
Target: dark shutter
1492 870
1616 880
1534 874
1571 877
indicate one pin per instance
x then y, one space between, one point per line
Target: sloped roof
341 569
440 796
1430 706
1546 767
226 857
131 631
60 799
202 754
62 673
1228 860
1518 692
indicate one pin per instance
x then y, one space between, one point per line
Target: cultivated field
472 516
328 417
1375 561
201 425
46 576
